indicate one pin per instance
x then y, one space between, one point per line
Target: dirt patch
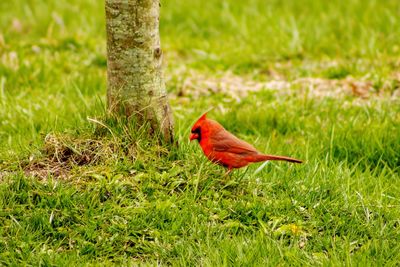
61 153
64 149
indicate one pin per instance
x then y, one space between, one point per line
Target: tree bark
135 85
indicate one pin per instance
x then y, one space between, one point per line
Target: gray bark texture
136 86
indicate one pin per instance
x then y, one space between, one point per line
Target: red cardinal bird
223 148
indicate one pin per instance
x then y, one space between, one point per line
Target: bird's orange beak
193 136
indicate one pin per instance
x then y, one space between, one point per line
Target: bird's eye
197 130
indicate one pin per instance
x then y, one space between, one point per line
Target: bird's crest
203 117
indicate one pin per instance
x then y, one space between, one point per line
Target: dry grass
193 84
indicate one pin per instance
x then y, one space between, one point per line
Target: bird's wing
224 141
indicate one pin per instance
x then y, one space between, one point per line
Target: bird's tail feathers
263 157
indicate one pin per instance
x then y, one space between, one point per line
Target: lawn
315 80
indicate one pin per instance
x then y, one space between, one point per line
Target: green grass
123 199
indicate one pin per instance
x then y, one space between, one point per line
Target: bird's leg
228 172
241 177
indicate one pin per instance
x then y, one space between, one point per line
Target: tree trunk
136 86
